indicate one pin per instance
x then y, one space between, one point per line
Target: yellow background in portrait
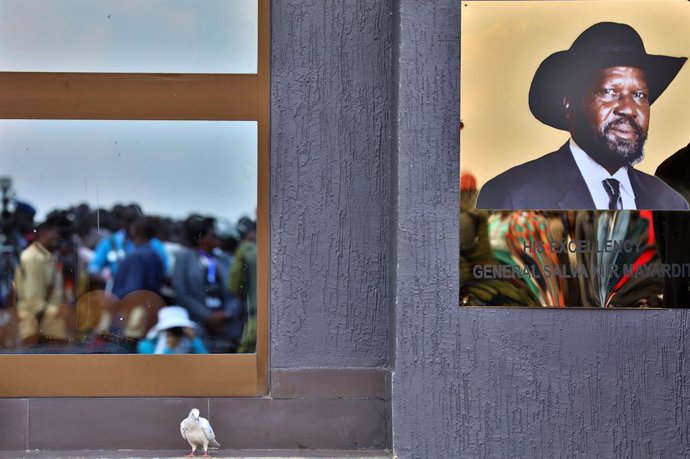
503 43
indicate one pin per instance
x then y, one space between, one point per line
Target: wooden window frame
149 96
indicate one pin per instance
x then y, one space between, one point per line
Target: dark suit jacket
672 229
554 182
190 285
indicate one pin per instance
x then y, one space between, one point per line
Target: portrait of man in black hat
600 90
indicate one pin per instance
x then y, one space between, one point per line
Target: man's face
209 241
49 239
612 118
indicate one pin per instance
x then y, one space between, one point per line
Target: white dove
198 432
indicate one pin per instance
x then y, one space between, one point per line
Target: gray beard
609 150
631 151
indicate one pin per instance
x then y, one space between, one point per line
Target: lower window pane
128 236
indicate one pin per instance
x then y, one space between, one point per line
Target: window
43 86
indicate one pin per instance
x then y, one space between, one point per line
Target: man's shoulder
656 188
524 181
675 166
543 164
33 253
146 252
186 256
141 255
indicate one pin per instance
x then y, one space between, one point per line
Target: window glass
134 36
148 222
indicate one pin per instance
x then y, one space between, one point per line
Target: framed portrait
574 135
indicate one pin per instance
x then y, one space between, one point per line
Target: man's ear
566 107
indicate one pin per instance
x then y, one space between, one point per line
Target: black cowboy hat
606 44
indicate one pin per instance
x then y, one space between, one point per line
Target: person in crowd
16 233
243 282
174 333
173 243
24 223
142 268
39 290
199 283
136 289
600 91
109 252
66 262
228 241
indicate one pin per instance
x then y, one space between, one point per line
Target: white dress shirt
594 175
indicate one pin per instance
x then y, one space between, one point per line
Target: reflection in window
170 36
128 236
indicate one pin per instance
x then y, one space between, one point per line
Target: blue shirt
142 269
112 250
194 346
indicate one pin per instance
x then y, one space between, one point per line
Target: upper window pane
129 36
159 164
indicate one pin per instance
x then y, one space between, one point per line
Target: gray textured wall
330 183
470 382
507 382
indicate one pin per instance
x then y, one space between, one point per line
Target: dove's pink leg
191 454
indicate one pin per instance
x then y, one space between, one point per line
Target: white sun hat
170 317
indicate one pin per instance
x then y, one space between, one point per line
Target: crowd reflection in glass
571 258
117 280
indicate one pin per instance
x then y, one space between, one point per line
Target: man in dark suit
672 229
600 90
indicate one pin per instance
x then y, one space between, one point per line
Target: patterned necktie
613 189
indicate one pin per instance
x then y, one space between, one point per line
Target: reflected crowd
583 258
117 280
